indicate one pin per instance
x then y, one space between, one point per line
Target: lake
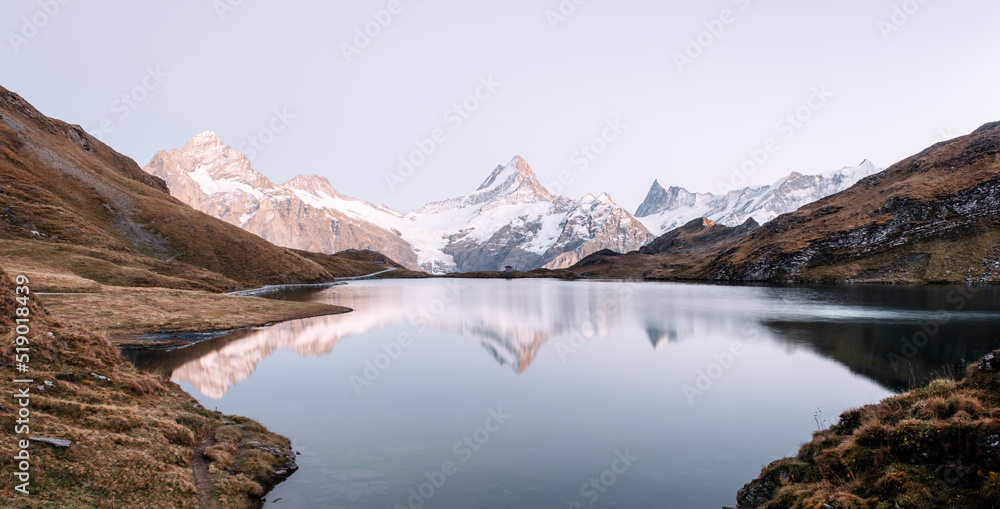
548 394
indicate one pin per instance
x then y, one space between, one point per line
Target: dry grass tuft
932 447
134 436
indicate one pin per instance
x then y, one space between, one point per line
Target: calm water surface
546 394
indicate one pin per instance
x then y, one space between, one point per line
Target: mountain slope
511 219
304 213
666 208
932 217
72 204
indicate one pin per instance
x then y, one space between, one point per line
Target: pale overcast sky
894 83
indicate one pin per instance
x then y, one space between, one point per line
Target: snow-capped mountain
667 208
304 213
511 219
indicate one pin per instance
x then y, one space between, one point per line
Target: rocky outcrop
699 234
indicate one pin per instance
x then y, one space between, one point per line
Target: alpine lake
490 394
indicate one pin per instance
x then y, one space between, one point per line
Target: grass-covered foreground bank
935 447
123 313
137 440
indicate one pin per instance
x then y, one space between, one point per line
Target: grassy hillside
138 440
934 217
70 205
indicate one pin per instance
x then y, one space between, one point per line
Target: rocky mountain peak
513 183
207 137
312 184
209 142
660 199
988 127
699 223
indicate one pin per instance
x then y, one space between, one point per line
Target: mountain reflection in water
858 327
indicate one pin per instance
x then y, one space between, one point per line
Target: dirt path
202 478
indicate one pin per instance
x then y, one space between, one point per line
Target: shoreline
126 316
932 443
168 340
269 289
760 490
110 414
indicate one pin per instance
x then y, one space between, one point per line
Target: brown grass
133 437
127 311
932 447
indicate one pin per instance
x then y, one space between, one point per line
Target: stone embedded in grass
52 441
988 363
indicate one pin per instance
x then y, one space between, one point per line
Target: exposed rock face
698 235
608 227
677 252
511 219
305 213
666 208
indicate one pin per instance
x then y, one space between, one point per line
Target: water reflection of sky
586 369
512 320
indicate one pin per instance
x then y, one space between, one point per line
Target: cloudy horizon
598 97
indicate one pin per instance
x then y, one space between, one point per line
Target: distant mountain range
511 219
71 205
933 217
667 208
